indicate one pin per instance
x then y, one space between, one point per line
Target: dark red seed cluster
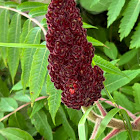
71 56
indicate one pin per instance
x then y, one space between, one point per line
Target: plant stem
110 103
27 16
22 106
114 123
97 124
101 108
112 134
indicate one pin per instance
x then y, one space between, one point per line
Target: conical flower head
71 56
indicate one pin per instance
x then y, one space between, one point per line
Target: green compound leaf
114 82
54 99
38 72
15 134
27 26
40 122
87 26
129 18
33 37
26 6
4 25
135 42
114 10
94 41
107 66
13 37
105 121
8 104
39 11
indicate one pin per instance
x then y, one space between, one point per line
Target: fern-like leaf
38 72
135 42
114 10
129 18
54 99
4 25
14 36
107 66
25 30
33 37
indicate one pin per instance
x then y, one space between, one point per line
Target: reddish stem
101 108
112 134
19 108
97 124
110 103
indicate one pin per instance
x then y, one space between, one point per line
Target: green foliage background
114 30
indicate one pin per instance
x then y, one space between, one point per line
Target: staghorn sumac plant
74 75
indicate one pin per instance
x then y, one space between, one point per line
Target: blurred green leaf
124 102
97 7
136 94
114 82
39 11
17 86
26 6
127 90
128 56
11 4
75 115
33 37
8 104
54 99
41 123
13 37
21 96
61 134
4 25
112 51
94 2
4 91
15 134
17 120
69 130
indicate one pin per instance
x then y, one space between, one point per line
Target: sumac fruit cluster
71 56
